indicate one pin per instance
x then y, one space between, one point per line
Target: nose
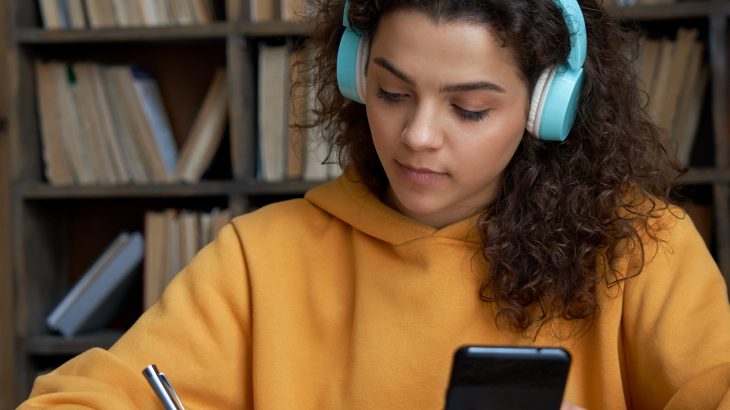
422 131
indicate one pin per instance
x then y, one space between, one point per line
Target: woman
459 220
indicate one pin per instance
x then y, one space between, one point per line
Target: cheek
383 124
494 149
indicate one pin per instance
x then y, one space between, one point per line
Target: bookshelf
56 231
710 167
7 346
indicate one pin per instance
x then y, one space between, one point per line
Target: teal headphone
554 100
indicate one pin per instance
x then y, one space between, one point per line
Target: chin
417 207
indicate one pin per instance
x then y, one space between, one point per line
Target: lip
419 175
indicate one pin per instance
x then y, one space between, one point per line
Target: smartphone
507 377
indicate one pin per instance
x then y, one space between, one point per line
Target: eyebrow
449 88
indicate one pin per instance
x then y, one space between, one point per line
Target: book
234 10
163 12
87 137
206 132
684 128
172 250
189 235
182 12
151 99
296 116
109 131
172 238
203 11
91 302
264 10
316 152
293 10
219 219
51 15
123 119
127 13
149 12
647 64
677 73
100 13
76 14
273 98
58 169
84 282
73 135
675 79
660 84
141 129
90 102
316 149
155 260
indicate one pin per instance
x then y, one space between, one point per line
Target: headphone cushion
537 102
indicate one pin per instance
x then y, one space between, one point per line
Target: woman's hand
570 406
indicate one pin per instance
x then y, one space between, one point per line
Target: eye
390 97
470 115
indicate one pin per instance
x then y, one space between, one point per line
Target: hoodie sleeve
676 324
198 334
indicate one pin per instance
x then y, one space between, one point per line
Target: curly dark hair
566 211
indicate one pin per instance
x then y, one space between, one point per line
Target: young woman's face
447 108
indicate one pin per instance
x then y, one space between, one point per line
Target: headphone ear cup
537 102
554 103
352 57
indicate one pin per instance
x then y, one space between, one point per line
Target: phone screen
487 377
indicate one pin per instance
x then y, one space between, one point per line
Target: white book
154 109
93 304
127 13
273 110
89 276
314 156
206 132
51 14
76 14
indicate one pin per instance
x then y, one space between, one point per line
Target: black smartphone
507 377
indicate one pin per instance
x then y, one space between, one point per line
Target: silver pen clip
171 391
162 388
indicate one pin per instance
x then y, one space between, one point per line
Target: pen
162 387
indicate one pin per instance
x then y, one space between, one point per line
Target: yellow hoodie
336 301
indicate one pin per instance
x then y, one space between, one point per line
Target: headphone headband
573 17
554 102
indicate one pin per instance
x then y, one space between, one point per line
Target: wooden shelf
38 36
40 191
672 11
705 176
274 29
48 345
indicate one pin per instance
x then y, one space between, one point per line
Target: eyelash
465 115
471 115
389 97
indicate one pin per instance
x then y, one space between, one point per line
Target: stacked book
173 237
674 76
97 295
286 150
83 14
107 125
